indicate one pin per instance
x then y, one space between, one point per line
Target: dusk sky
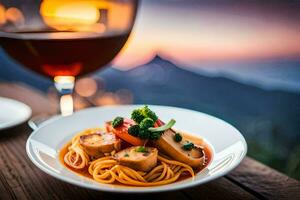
193 32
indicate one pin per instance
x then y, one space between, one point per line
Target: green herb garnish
188 146
164 127
117 121
126 155
141 149
177 137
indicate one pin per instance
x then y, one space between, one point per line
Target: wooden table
20 179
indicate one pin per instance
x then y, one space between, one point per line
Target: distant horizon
206 31
268 74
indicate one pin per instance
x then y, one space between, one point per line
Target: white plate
12 113
229 146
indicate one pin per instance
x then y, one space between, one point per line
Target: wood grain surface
20 179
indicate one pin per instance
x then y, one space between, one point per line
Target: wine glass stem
65 86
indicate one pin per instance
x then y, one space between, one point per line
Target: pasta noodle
76 157
108 170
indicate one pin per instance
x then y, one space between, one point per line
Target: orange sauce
196 140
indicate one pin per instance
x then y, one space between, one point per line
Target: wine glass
62 39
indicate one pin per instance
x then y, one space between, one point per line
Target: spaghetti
107 170
76 157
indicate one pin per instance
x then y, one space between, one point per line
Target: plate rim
27 109
133 190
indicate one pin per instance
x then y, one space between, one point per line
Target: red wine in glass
62 53
64 39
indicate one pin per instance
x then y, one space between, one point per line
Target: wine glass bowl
62 39
65 38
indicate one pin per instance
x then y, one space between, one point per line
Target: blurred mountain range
269 120
269 74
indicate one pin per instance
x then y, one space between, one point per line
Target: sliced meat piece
138 158
166 143
97 144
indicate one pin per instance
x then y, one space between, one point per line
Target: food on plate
182 151
139 158
140 151
99 143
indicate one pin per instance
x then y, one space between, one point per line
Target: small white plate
12 113
43 145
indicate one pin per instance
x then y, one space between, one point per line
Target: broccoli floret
134 130
145 119
149 113
117 121
144 134
137 115
177 137
155 135
146 123
188 146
